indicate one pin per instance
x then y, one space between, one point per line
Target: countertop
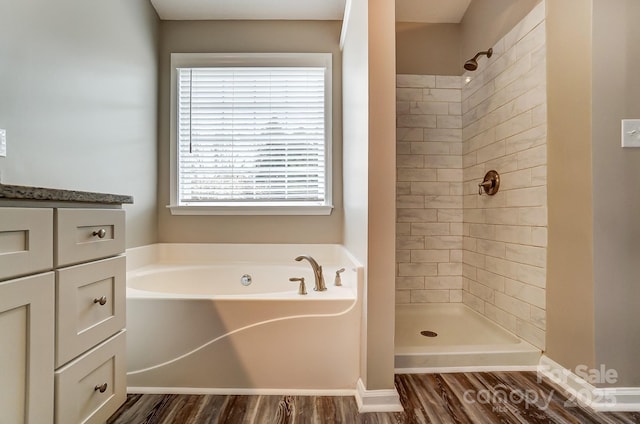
27 193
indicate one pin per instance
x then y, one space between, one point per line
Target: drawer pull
102 300
100 233
101 388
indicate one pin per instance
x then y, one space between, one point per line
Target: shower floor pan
465 341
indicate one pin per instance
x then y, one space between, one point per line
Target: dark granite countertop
14 192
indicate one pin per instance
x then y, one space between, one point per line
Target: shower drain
428 333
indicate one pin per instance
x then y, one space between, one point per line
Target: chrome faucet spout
317 272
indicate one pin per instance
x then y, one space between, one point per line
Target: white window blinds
251 135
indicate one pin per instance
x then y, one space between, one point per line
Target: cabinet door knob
100 233
102 300
101 388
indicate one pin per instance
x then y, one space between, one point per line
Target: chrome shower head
472 64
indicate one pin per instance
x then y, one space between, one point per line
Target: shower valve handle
490 183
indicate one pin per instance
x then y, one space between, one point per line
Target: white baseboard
445 370
387 400
235 391
585 394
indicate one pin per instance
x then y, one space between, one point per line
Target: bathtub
194 327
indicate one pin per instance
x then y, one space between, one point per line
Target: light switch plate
3 143
631 133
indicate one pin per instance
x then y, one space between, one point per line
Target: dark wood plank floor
486 398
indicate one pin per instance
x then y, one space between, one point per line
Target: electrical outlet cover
631 133
3 143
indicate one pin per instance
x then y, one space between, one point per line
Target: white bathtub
193 327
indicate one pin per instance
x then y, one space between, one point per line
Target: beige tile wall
429 189
505 236
452 244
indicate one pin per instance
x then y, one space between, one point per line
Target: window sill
252 210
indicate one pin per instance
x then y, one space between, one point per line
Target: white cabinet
26 315
90 376
62 315
92 387
26 349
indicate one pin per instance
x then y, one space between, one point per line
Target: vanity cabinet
27 290
90 376
62 314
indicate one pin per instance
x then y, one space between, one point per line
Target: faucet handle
338 280
302 289
321 285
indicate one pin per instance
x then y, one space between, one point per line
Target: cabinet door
26 349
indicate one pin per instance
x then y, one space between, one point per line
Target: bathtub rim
348 292
146 257
190 253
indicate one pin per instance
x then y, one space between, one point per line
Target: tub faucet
317 272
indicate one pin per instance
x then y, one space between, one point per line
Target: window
251 134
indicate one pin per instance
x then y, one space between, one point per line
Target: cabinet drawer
78 385
26 241
90 305
87 234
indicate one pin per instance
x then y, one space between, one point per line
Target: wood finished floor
486 398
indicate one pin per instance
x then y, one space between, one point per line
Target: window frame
195 60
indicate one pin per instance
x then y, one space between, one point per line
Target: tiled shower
454 245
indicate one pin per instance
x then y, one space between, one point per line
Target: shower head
472 64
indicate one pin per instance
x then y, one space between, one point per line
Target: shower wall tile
441 95
473 302
403 296
530 332
504 117
538 317
430 296
443 81
408 94
455 296
429 189
505 319
416 81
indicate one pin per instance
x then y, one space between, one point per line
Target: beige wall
381 223
369 183
486 21
442 49
615 192
78 85
428 49
254 37
570 300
